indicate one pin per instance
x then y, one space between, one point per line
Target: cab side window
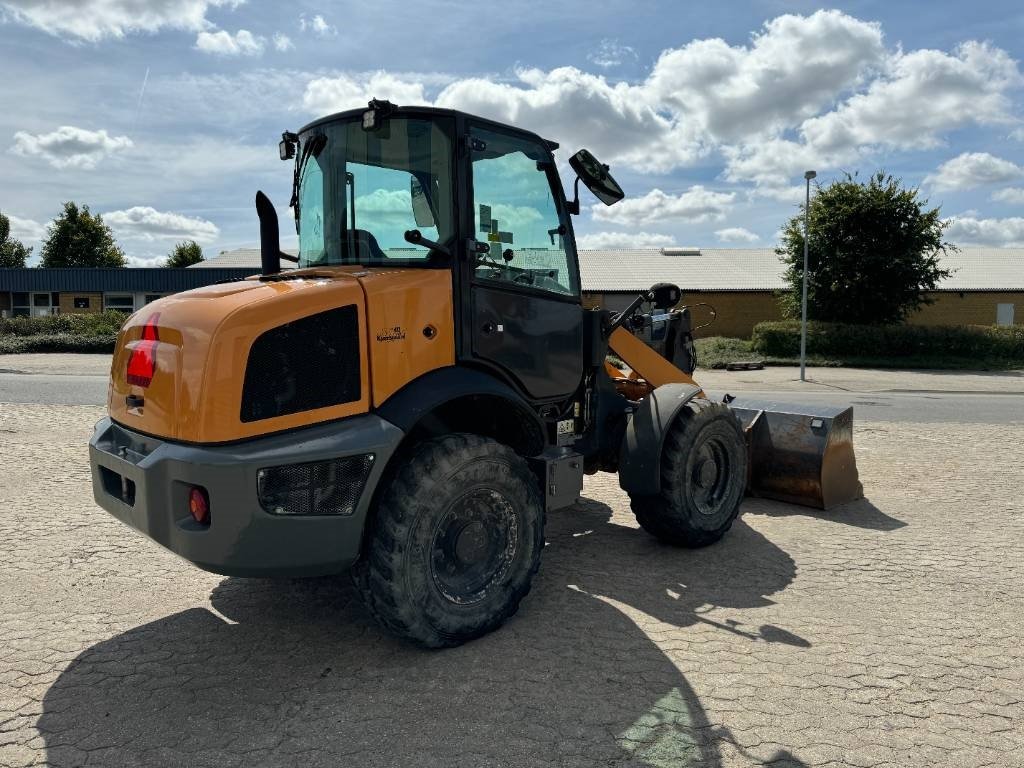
516 215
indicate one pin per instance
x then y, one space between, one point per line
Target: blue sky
164 116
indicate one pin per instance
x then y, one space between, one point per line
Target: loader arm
651 366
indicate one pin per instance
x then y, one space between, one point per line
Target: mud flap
640 455
802 454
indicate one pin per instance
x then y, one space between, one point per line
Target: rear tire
454 543
703 478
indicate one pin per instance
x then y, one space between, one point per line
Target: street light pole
803 305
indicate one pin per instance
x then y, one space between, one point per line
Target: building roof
239 257
693 269
127 279
730 269
984 269
759 269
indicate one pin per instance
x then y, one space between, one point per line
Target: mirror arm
574 207
625 314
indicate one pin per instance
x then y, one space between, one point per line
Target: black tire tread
660 514
377 576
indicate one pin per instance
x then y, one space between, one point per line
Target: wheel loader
412 399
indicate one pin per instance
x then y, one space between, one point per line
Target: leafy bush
718 351
782 339
102 324
56 342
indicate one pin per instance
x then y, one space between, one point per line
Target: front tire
454 543
703 478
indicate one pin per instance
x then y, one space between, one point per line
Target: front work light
377 115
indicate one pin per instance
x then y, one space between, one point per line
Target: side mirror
665 295
596 177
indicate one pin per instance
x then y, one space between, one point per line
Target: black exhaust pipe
270 235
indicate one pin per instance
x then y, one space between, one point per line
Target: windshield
360 191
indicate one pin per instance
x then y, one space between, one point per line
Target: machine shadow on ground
860 513
294 672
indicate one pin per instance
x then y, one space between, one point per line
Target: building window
1004 314
20 306
121 302
151 297
41 304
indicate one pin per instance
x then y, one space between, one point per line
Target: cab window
516 215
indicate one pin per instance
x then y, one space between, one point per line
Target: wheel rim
709 468
473 546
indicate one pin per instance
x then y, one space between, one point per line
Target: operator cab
417 187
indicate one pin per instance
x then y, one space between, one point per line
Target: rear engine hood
195 347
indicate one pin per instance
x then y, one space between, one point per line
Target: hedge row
56 342
782 339
100 324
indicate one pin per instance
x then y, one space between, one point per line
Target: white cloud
611 53
69 147
774 163
696 205
223 43
333 94
793 68
922 94
620 240
144 261
919 96
794 194
1017 134
317 25
565 104
736 235
580 109
26 230
145 223
819 91
972 169
1010 195
969 230
94 20
282 42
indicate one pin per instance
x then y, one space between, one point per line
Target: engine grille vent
317 488
308 363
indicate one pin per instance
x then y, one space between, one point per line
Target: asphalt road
52 389
916 407
904 406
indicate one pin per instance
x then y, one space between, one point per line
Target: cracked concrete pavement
886 633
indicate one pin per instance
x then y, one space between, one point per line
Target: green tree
184 254
77 238
13 253
873 252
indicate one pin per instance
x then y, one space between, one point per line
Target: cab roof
428 112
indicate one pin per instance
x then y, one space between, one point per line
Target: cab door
525 315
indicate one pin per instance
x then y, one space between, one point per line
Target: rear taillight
142 360
199 505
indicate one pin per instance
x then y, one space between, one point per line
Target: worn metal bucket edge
802 454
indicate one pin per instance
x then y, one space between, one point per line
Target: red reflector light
142 360
199 505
